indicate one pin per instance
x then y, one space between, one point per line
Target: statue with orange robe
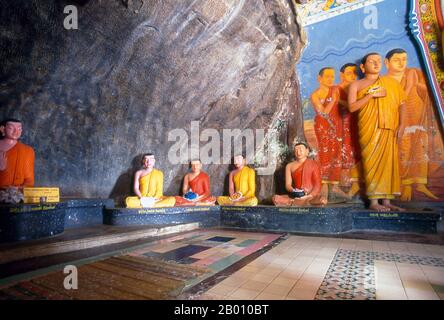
242 185
302 180
16 163
328 130
148 186
351 151
380 102
196 188
414 148
16 158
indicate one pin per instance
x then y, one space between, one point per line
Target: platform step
38 250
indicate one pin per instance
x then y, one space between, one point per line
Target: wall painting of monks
339 36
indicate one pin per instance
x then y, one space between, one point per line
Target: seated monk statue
196 188
148 186
16 158
242 185
302 180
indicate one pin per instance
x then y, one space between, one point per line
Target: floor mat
158 270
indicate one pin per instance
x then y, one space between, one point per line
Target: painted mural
345 32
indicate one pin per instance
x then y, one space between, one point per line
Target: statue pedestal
85 212
332 219
31 221
205 216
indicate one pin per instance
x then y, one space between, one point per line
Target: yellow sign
41 194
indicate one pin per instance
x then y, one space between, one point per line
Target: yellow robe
244 182
151 185
377 122
414 146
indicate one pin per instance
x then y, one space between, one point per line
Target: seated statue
16 161
148 186
302 180
196 188
242 185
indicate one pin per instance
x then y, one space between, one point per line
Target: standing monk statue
414 146
196 188
302 180
328 130
148 186
16 158
380 102
242 185
351 151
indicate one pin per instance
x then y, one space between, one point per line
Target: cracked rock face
94 99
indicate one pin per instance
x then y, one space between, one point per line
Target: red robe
351 150
200 185
328 129
310 177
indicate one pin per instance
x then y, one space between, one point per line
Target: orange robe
19 170
328 129
417 147
200 185
378 121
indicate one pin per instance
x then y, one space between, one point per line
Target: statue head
326 77
348 73
11 129
196 165
371 64
148 161
301 150
239 161
396 61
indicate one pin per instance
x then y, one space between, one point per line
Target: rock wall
94 99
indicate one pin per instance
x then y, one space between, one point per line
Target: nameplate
145 211
41 194
384 215
197 209
234 208
294 210
31 209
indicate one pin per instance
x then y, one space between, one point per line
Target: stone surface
94 99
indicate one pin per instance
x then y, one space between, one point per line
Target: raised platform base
85 212
333 219
205 216
31 221
26 222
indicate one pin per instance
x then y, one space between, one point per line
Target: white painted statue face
301 151
196 166
148 162
239 161
13 130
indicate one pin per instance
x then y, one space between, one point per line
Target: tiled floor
306 268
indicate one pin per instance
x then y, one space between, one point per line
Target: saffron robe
19 170
151 185
244 182
417 145
377 123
